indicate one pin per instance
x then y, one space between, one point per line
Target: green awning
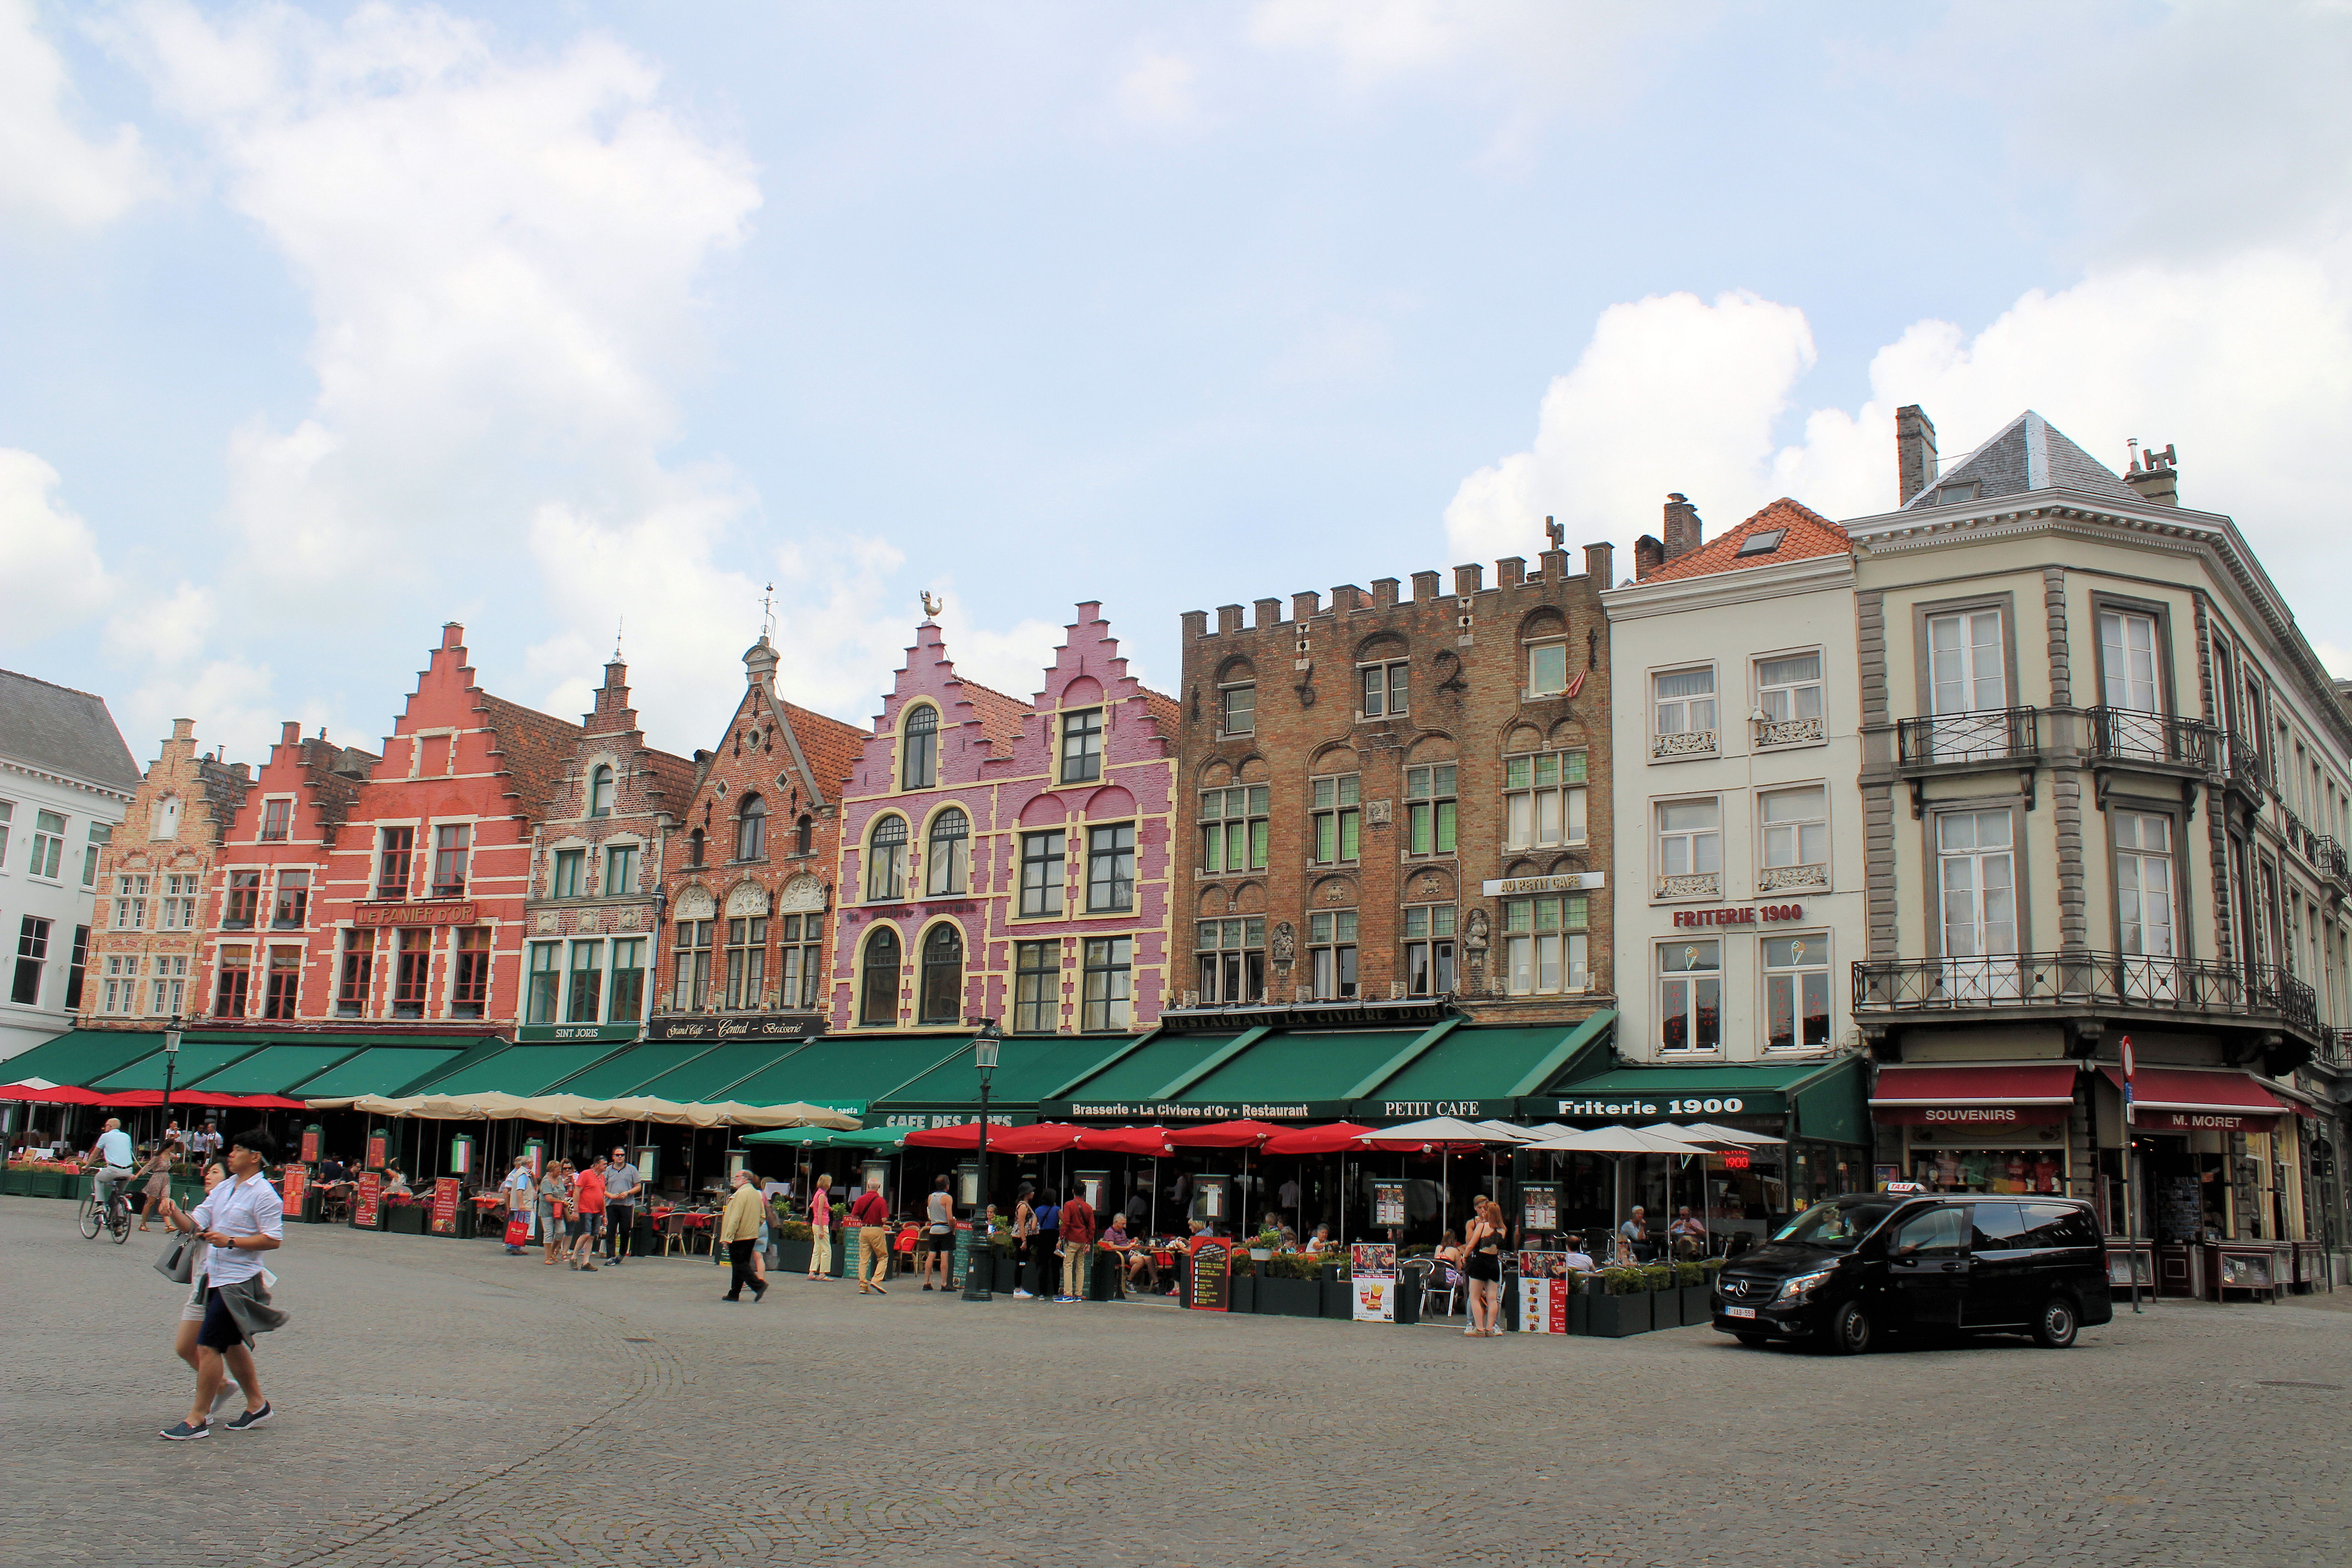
1477 1074
1834 1106
1028 1069
386 1070
1698 1092
821 1138
1311 1070
713 1074
197 1059
837 1068
274 1069
82 1057
520 1070
1128 1082
624 1074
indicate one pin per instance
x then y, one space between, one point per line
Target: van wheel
1753 1341
2053 1325
1850 1330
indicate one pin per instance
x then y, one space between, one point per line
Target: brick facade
1289 706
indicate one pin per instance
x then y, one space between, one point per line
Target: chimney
1601 563
1683 530
2155 475
289 734
1648 555
1916 465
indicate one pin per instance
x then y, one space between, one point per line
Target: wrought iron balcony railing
2123 735
2055 980
1988 735
2242 764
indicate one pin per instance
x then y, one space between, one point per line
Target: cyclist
112 1156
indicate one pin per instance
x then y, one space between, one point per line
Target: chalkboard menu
445 1205
1388 1205
959 1261
1212 1266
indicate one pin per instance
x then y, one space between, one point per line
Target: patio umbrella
1242 1134
1335 1138
1736 1135
1151 1140
1435 1133
1616 1142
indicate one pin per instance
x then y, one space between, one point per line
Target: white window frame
1768 973
1524 804
1990 886
1782 701
1694 880
1535 950
1676 965
1395 678
1536 649
1686 737
1799 872
1331 947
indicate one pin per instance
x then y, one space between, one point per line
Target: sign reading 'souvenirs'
1211 1281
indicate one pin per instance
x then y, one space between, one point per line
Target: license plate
1739 1311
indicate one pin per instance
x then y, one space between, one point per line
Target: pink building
1009 860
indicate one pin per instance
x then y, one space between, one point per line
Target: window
392 862
359 976
48 844
414 968
1110 868
586 989
169 994
2144 902
693 950
1384 687
1331 954
1761 542
804 835
747 962
571 874
1690 848
1082 746
1977 876
1547 669
945 864
620 870
77 968
1796 838
163 822
453 846
2129 681
1036 987
469 995
130 904
244 899
694 848
752 829
1429 812
276 817
1429 950
600 791
1110 973
1964 666
1938 1233
230 996
1683 705
628 980
1334 819
1789 695
1234 828
878 1003
1237 709
7 813
1041 872
1232 955
919 752
179 910
941 997
542 988
1690 997
118 992
886 861
1796 992
283 983
100 836
804 955
293 900
1543 800
1545 948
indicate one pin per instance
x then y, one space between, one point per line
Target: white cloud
1013 661
46 165
1162 91
47 556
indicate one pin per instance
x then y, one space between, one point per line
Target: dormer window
1957 495
1762 542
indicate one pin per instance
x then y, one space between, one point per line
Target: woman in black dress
1481 1242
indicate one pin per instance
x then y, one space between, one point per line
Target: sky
322 325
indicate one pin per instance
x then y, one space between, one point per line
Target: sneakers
181 1432
250 1419
1065 1298
760 1292
926 1286
1020 1295
229 1389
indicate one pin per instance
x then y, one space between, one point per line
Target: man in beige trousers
871 1213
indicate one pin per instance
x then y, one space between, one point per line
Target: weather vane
768 613
932 606
618 623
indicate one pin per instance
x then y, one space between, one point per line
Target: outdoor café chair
1443 1279
673 1231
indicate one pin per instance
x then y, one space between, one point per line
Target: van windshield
1837 1227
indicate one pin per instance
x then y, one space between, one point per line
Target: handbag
178 1263
518 1229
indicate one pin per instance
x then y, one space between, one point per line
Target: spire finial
930 606
618 623
768 614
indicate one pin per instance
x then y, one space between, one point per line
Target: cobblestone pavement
442 1404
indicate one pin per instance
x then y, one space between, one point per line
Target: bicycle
115 1216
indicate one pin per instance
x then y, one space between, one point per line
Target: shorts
576 1226
192 1310
220 1331
938 1243
1480 1266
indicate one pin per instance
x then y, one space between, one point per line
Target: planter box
1338 1296
1242 1293
1283 1298
407 1220
1614 1317
845 1258
58 1184
9 1186
1005 1272
1580 1313
1698 1307
793 1257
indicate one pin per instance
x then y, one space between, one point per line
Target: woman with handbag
158 1185
554 1209
820 1219
192 1310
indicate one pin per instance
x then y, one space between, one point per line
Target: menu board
1372 1279
368 1199
309 1145
1538 1207
446 1195
1211 1264
1388 1205
374 1161
959 1260
291 1181
1543 1292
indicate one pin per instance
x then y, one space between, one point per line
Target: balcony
1994 735
2059 982
2327 857
2242 767
1792 878
2123 737
1682 743
1775 733
1696 885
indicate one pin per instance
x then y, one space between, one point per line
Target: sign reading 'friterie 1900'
1745 915
414 915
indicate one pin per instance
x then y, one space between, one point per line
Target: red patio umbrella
1037 1138
1335 1138
129 1098
1151 1140
1242 1134
62 1094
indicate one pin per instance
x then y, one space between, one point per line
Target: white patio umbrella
1437 1130
1737 1135
1616 1142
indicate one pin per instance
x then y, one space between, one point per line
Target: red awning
1037 1138
2186 1099
60 1095
1332 1138
1243 1134
1150 1141
1973 1096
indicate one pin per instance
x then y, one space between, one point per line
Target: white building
66 779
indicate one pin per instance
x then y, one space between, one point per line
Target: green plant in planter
1002 1242
1693 1273
1657 1276
1622 1281
1269 1239
795 1230
1294 1265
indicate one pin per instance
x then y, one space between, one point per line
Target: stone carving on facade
1684 743
592 920
1785 879
749 901
1284 946
802 895
1791 731
632 918
1473 939
546 922
1698 885
696 904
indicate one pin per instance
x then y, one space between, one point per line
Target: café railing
1991 734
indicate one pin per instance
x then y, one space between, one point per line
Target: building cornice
67 781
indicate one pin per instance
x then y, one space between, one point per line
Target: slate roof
61 731
1804 532
2029 453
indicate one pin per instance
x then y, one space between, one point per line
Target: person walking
1482 1243
1047 1247
157 1185
554 1203
239 1220
192 1310
738 1231
938 1232
517 1190
1025 1232
821 1229
1078 1228
622 1182
589 1197
871 1214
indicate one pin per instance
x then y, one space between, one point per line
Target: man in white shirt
518 1189
240 1219
621 1184
112 1154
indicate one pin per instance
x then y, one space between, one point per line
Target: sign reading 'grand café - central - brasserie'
730 1026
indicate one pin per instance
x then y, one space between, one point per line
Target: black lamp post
171 1063
984 1255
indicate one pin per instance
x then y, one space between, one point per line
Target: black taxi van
1851 1269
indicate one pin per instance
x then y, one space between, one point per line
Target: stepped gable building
595 900
747 870
2106 790
1010 860
1396 802
147 957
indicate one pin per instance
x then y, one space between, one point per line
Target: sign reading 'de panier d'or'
461 914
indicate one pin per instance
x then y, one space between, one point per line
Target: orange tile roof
1809 534
1165 711
830 746
1001 716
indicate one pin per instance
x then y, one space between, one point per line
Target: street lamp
983 1056
171 1063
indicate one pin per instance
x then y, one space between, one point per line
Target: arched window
878 1002
942 995
804 839
885 862
919 755
943 861
694 848
752 829
600 792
